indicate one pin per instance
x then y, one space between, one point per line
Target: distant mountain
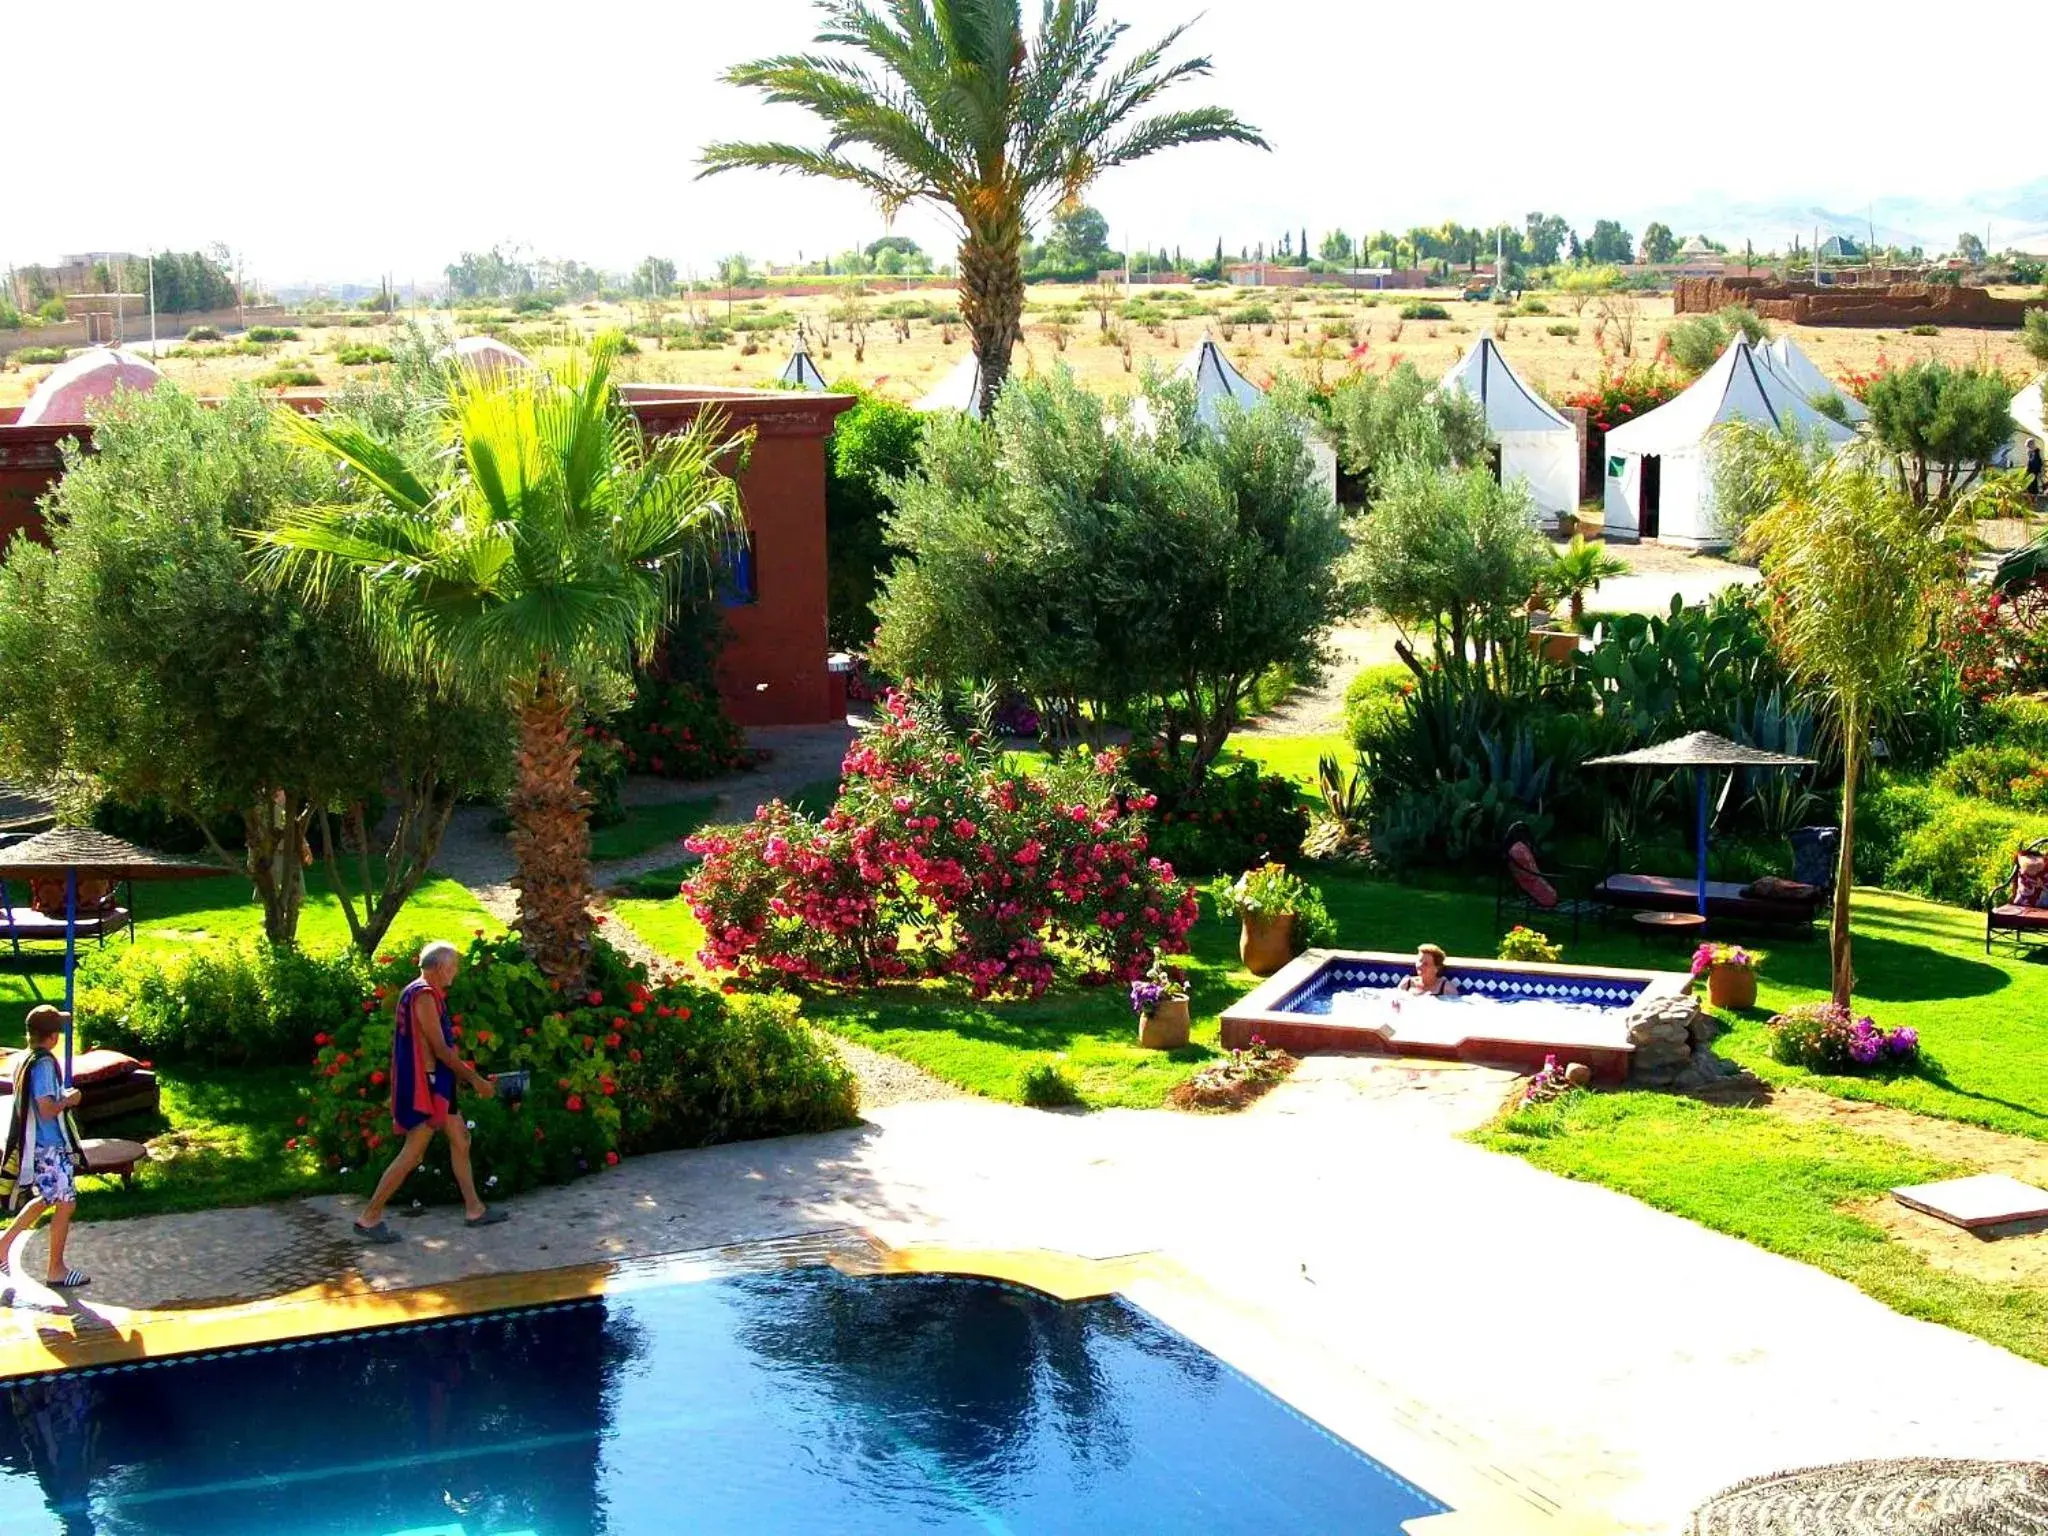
2016 215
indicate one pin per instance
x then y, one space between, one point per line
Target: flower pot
1165 1028
1554 645
1267 942
1731 986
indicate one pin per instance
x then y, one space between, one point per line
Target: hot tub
1508 1012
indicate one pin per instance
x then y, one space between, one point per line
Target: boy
43 1150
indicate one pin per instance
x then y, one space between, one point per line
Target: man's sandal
380 1233
71 1280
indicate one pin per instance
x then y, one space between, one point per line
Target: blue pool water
1339 975
804 1400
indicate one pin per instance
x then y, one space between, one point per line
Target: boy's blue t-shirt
45 1082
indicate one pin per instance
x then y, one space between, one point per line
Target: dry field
1320 333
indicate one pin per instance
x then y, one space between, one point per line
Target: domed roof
486 356
67 396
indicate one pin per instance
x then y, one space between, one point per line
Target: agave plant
950 102
546 543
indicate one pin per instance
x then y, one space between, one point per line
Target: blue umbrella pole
70 960
1703 841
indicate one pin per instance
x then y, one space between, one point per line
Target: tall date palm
948 102
546 542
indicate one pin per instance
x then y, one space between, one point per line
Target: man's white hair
440 952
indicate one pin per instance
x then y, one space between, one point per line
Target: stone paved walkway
1596 1352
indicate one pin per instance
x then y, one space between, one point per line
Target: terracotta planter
1165 1028
1731 986
1554 645
1267 942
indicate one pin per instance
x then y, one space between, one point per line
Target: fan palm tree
948 102
546 544
1853 578
1577 569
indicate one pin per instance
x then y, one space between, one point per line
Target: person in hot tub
1430 978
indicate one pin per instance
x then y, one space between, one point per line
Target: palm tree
1577 569
546 545
948 102
1852 576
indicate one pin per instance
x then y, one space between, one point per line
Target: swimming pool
803 1400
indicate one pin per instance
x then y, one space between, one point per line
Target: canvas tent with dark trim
1659 473
959 390
800 372
1220 386
1538 445
1785 358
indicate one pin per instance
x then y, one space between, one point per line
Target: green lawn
218 1141
647 827
1782 1185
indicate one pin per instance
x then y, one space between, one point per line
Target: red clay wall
772 670
1892 307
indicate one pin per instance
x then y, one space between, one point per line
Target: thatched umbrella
1703 751
83 851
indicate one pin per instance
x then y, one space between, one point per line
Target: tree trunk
551 836
992 298
1845 862
274 830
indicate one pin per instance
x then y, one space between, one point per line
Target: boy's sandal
490 1218
71 1280
380 1233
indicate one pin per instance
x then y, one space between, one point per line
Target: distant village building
1267 274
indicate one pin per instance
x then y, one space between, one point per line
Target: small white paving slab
1981 1200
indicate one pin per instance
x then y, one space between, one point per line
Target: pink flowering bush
1826 1037
997 874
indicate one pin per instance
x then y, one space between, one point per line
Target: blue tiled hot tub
1310 1005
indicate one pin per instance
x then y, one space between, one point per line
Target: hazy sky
338 142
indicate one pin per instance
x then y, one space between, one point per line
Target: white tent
1659 480
2028 413
1538 445
74 387
801 371
1784 357
959 390
1217 381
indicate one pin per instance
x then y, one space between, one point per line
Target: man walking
2034 467
424 1067
43 1151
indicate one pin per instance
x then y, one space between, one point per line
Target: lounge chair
33 922
1765 904
1527 887
2018 905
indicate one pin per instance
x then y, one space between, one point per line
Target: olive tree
1446 551
1102 557
1375 415
1943 423
138 661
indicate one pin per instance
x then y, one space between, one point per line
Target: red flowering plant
1993 643
623 1066
679 730
1621 395
998 874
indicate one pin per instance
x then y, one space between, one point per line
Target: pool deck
1544 1356
1502 1036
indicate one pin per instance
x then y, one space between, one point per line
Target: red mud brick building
773 668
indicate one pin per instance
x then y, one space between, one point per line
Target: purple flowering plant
1155 987
1828 1038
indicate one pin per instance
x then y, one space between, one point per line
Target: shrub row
215 1004
623 1068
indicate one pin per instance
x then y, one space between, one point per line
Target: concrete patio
1506 1338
